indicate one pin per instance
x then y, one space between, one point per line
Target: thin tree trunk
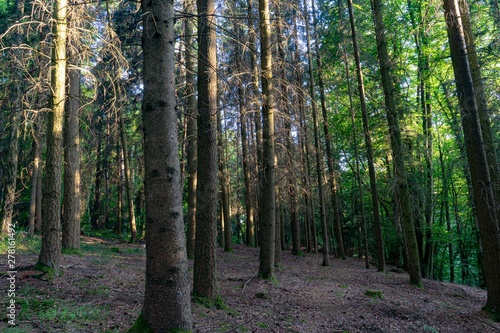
397 148
476 155
37 169
358 172
256 119
50 253
192 139
317 144
333 177
369 148
446 203
224 185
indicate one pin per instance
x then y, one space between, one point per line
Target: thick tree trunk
267 196
50 253
192 135
167 303
205 280
71 203
403 191
476 155
482 104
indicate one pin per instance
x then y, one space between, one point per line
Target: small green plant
430 329
374 294
262 325
76 252
217 303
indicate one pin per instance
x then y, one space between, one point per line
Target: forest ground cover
102 289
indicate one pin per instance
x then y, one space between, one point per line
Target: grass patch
262 325
217 303
374 294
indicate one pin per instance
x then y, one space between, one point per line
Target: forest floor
101 290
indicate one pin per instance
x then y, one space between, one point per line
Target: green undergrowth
217 303
374 294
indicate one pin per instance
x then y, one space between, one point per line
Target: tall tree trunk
72 198
482 104
317 145
364 233
50 253
191 114
256 118
484 198
267 196
249 206
403 191
332 173
13 149
205 280
167 302
369 148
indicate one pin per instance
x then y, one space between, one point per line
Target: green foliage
217 303
140 326
374 294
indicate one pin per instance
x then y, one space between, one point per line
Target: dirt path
102 290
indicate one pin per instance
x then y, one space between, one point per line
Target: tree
368 144
191 135
50 253
317 145
71 203
167 301
15 120
484 198
403 192
205 280
267 212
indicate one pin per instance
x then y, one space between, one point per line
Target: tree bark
37 169
369 148
267 211
484 198
167 302
191 114
50 253
71 203
332 172
317 145
205 281
397 148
